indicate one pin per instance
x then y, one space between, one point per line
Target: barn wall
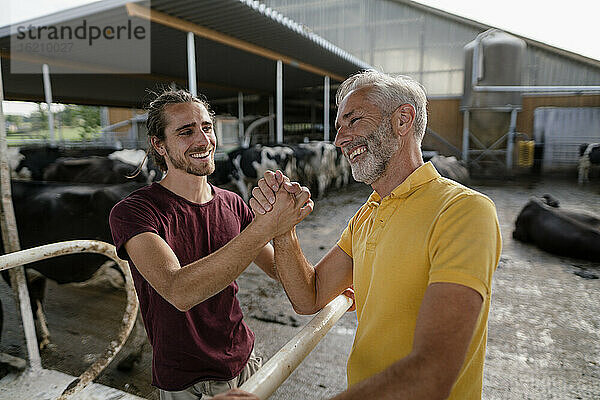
118 114
530 103
445 119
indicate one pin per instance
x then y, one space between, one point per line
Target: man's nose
203 138
340 137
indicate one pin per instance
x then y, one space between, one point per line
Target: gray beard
381 146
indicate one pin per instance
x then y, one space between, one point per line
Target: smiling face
190 140
365 136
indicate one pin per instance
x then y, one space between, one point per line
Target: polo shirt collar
425 173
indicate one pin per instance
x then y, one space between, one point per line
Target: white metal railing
284 362
17 258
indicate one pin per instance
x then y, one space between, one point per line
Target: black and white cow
31 163
252 163
93 170
558 231
320 166
589 155
33 160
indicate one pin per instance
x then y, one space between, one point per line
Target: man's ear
403 119
158 145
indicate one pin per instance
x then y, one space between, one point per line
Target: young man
420 253
186 242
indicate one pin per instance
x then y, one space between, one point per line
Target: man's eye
185 132
207 128
353 120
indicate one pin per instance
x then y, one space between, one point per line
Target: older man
420 253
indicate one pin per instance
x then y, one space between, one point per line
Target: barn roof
237 44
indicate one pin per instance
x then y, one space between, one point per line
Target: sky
571 25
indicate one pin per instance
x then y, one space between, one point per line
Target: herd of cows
64 194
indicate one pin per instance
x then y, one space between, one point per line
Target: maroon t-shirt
210 341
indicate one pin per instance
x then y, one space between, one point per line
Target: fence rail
284 362
17 258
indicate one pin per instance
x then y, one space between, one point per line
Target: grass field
67 133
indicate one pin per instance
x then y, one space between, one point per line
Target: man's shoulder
451 192
228 196
144 195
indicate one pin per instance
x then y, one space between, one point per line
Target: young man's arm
266 261
186 286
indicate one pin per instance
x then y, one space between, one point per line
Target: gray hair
388 93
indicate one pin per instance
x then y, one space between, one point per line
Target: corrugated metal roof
222 69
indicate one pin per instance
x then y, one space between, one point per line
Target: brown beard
183 164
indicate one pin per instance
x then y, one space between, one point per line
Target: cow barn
543 338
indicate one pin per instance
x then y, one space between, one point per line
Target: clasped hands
283 204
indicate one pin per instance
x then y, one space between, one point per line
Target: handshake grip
279 203
272 186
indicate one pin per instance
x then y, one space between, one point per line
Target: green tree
67 115
39 119
88 118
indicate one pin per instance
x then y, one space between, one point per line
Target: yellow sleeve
465 244
345 242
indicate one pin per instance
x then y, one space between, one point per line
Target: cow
558 231
54 212
226 175
589 154
94 170
343 169
320 166
251 164
35 159
451 168
139 158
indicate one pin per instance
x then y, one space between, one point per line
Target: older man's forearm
295 273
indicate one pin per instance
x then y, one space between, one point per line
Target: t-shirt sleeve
129 218
465 244
246 214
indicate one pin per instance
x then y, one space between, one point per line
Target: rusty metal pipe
18 258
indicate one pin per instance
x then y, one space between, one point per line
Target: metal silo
494 58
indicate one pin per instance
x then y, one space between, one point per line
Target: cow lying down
558 231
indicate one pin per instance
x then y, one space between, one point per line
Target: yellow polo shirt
429 229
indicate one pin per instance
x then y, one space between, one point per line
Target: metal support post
48 93
326 109
510 139
10 238
279 101
133 133
465 143
240 116
271 124
191 52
